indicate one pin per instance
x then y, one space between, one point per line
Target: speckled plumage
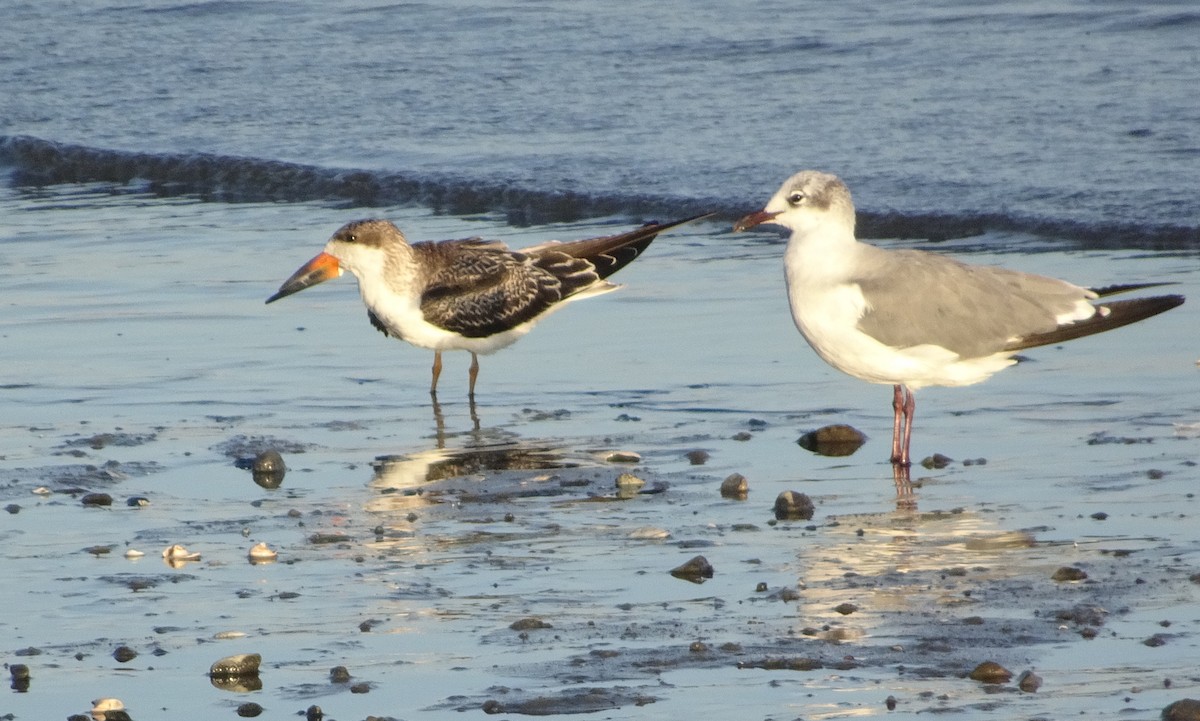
470 294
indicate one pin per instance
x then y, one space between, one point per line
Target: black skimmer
474 295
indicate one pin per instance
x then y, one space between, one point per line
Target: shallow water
167 164
136 334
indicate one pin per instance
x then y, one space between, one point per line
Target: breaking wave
34 162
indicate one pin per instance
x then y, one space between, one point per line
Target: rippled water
1058 118
168 165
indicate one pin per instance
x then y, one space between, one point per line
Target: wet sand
483 561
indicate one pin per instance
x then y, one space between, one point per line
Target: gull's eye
795 198
352 238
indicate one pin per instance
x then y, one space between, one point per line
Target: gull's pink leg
910 408
898 395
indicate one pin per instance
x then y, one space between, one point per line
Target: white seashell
628 480
133 553
262 553
178 554
101 706
649 533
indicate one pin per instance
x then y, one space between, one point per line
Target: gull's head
805 201
359 247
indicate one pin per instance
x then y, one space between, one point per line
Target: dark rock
13 508
834 440
318 539
529 624
314 713
1100 516
793 506
20 677
124 654
890 702
96 499
845 608
1083 615
735 486
339 674
268 468
800 663
1185 709
1158 639
1069 573
697 457
1029 681
243 664
695 570
936 461
249 709
137 501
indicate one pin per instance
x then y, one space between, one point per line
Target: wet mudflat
484 561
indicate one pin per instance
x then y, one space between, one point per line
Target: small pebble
137 501
990 672
96 499
1069 573
339 674
268 469
695 570
735 486
133 553
124 654
1029 681
791 505
314 713
697 457
242 664
249 709
834 440
936 462
845 608
529 624
13 508
623 457
890 702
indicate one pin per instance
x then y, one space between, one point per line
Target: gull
471 294
911 318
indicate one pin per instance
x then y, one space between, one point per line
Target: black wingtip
1119 313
